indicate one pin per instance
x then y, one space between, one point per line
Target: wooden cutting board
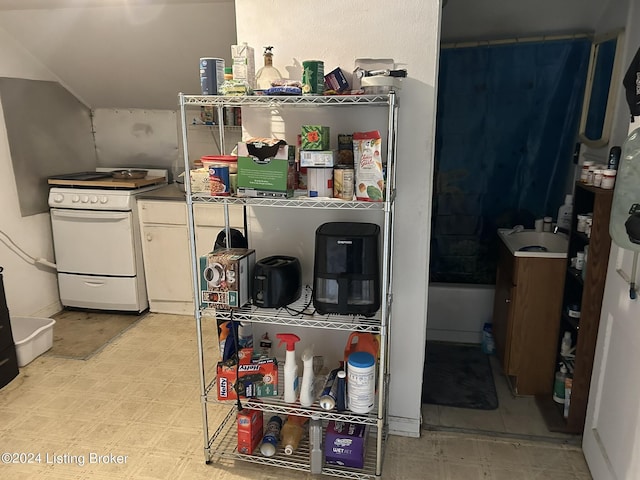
129 183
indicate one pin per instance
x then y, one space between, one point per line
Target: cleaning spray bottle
306 388
290 366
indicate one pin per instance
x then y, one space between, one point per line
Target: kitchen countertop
168 192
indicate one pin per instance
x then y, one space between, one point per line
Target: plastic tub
230 160
32 336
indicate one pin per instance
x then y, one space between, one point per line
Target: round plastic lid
219 158
268 449
361 359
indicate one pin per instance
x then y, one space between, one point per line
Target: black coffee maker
346 276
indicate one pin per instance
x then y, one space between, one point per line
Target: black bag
237 239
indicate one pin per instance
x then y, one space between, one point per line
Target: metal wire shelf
293 100
291 315
223 444
294 202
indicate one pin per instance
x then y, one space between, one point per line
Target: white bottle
565 346
306 388
290 367
564 213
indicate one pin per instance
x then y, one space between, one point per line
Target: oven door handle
90 215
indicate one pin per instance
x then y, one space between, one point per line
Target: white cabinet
221 437
166 252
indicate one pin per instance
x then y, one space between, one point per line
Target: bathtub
457 312
32 336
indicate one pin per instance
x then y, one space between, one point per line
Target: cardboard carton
226 275
266 168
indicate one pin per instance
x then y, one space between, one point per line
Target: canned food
343 182
219 179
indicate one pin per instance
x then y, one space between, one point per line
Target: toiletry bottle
267 74
565 346
315 445
271 437
306 387
558 386
290 366
564 213
292 432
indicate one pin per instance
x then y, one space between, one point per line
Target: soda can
343 182
312 77
219 179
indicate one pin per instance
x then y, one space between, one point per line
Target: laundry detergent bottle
290 366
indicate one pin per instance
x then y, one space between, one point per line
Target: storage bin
32 336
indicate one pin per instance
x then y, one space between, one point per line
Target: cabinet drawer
213 215
168 213
8 365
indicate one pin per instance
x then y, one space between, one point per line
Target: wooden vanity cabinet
527 300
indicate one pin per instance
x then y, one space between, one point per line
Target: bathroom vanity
527 302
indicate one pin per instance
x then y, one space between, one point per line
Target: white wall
30 290
409 33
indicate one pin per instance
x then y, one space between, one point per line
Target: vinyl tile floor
516 416
132 411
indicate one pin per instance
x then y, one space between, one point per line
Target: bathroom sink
529 243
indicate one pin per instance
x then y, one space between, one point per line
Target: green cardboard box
315 137
266 168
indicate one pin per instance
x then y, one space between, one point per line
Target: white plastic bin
32 336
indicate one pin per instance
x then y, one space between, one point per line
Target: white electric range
96 239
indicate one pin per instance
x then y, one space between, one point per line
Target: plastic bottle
245 335
267 74
558 386
265 345
565 346
290 366
315 445
271 437
361 342
564 213
292 432
341 391
306 387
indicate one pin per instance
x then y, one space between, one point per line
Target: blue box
335 80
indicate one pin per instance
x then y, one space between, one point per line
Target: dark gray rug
458 375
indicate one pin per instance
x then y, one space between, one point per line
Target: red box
249 430
259 379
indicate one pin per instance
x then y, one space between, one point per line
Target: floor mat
458 375
82 334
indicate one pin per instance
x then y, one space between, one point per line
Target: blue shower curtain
507 125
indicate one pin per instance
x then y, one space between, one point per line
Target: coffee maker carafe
346 277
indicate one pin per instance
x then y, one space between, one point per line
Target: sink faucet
558 229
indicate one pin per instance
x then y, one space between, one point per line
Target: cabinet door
167 262
503 306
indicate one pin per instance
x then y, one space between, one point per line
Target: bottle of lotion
290 366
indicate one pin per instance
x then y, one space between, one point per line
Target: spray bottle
290 366
306 389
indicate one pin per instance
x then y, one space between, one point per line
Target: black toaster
277 281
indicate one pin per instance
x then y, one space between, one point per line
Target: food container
219 179
230 160
129 174
608 179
